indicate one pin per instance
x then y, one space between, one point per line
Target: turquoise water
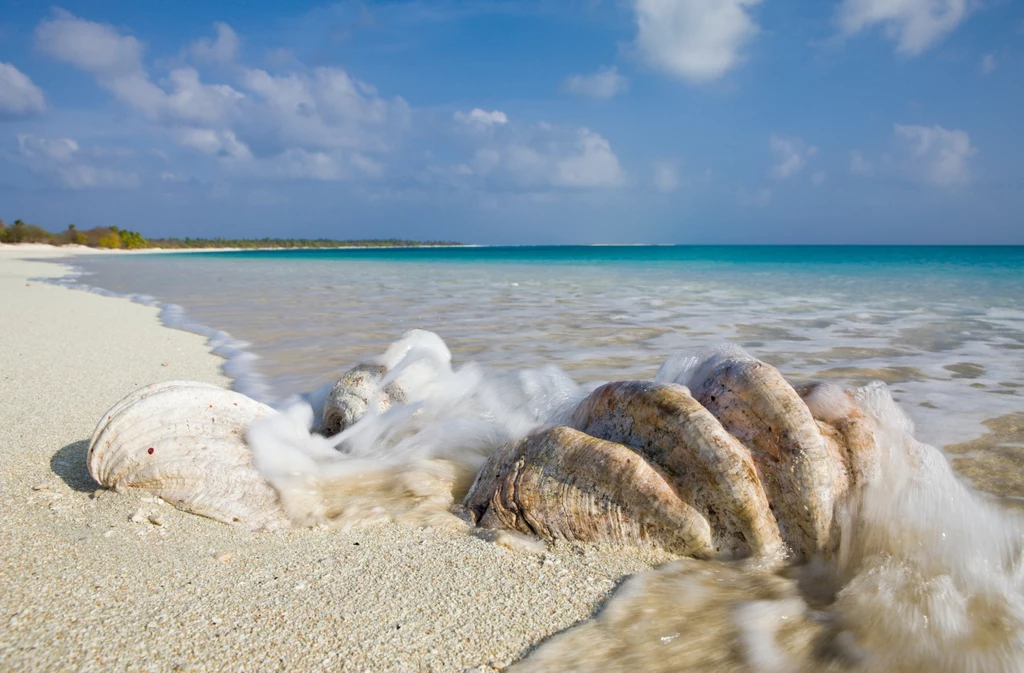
944 326
992 259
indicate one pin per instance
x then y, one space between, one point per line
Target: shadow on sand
69 464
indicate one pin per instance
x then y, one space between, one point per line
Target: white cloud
18 95
93 47
589 163
481 118
115 61
301 164
63 161
791 155
298 164
326 111
603 84
85 176
223 144
192 102
56 150
366 165
221 50
935 155
859 165
666 178
928 154
537 157
309 125
915 25
299 124
694 40
989 64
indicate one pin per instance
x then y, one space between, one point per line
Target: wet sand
95 580
994 463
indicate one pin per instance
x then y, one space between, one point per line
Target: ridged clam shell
844 424
709 468
754 462
757 405
352 395
185 442
559 483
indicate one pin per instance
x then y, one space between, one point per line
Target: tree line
116 238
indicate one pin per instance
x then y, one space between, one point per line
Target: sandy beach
96 580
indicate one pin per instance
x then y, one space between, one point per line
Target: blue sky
646 121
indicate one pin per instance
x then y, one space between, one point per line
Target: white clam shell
185 442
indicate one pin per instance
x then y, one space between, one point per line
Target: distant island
115 238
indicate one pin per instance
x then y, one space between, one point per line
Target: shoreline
73 249
233 353
87 587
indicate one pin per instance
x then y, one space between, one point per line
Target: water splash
410 460
928 577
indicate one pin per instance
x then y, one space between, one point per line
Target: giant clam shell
709 468
355 392
745 465
846 429
756 404
559 483
185 442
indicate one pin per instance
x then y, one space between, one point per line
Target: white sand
84 588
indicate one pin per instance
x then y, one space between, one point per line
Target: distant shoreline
73 249
116 238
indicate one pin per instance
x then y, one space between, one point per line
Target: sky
530 122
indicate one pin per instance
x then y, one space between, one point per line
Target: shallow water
943 326
928 575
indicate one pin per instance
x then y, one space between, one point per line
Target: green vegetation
19 232
116 238
75 237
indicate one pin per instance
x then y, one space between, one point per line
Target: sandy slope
84 588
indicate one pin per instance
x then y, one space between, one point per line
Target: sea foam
409 459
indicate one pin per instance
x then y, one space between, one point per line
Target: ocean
929 574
